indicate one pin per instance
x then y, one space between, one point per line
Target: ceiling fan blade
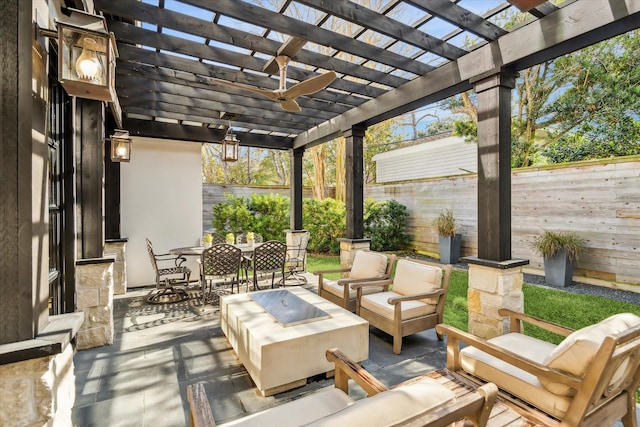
268 93
312 85
290 105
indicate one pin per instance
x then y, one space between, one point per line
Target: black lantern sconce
120 146
87 56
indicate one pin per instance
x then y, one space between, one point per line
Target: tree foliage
385 223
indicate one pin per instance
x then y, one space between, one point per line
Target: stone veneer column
118 249
37 377
493 285
348 249
94 296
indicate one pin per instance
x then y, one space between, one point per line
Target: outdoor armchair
415 303
296 257
589 379
367 266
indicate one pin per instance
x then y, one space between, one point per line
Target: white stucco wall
161 199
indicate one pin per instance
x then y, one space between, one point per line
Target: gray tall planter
450 248
558 269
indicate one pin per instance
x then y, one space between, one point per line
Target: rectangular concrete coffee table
280 358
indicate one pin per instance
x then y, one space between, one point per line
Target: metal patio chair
219 264
169 273
269 257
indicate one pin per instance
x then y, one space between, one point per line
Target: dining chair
169 272
296 257
269 257
218 264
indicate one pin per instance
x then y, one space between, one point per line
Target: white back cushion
368 264
575 352
415 278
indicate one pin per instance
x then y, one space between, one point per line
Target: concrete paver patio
141 379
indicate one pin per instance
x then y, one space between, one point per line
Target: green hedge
268 215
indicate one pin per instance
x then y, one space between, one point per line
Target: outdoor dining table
197 250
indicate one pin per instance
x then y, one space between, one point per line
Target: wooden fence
600 200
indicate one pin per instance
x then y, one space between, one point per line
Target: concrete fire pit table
281 335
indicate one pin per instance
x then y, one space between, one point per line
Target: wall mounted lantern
230 145
120 146
87 56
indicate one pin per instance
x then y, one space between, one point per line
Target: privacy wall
600 200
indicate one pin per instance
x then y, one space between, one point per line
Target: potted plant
560 252
208 239
450 241
230 238
250 238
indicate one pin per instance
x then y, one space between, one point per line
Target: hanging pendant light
230 145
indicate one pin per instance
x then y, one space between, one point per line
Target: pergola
175 58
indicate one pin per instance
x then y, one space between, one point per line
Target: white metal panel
161 198
443 157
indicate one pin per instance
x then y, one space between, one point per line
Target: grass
564 308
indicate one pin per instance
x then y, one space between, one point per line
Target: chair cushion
338 290
575 352
297 412
377 303
368 264
393 407
414 278
515 380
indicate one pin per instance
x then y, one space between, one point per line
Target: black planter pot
558 269
450 248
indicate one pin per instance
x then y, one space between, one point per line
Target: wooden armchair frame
475 407
345 301
595 402
399 327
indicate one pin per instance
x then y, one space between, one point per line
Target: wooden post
494 166
295 214
355 182
90 177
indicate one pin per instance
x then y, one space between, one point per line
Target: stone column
493 286
94 296
348 249
118 248
37 379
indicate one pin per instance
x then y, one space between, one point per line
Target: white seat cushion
575 353
377 303
338 290
514 380
415 278
297 412
368 264
393 407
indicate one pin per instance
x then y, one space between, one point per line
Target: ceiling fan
287 97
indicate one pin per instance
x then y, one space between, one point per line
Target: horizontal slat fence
600 200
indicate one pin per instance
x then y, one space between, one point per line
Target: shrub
270 215
385 223
232 216
326 222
